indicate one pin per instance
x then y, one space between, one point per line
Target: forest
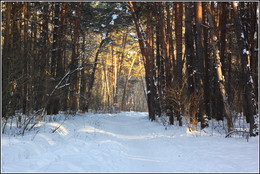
192 60
130 87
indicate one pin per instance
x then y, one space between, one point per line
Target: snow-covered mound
124 142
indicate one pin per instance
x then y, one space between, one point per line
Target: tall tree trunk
160 61
206 72
200 62
40 83
247 77
16 51
179 67
83 82
178 36
168 61
162 57
74 93
190 61
145 43
53 102
61 59
159 65
222 40
220 76
6 98
25 60
253 42
150 71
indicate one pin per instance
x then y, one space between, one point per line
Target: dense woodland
192 60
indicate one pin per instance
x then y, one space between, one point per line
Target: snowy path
125 142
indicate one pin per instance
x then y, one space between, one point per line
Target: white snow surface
124 142
114 16
104 36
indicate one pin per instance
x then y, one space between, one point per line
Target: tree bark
6 59
190 63
200 61
249 95
53 109
179 65
220 76
168 61
74 88
145 43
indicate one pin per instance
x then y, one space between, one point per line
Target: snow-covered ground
124 142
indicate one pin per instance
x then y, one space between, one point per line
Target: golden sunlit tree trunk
169 62
220 77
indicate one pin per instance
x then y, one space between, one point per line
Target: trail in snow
125 142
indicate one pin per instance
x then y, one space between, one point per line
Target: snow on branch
63 78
